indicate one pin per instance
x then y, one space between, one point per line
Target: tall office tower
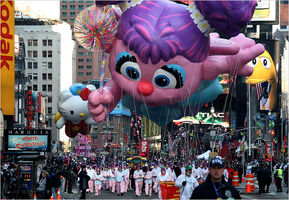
49 60
87 63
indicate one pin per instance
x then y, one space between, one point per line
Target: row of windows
33 42
87 67
87 60
34 65
45 76
44 88
34 54
82 73
82 53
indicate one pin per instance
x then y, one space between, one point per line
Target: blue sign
27 142
120 110
25 174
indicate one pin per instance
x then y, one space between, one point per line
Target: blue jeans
54 192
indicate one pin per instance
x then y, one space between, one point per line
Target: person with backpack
56 182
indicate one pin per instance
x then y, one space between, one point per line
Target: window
49 54
80 60
80 53
49 76
84 82
49 88
34 76
29 65
49 99
34 88
88 66
44 76
35 65
44 42
43 87
88 73
29 76
80 47
72 7
44 54
49 65
35 54
64 14
30 42
44 65
80 67
89 60
49 42
80 73
49 110
64 7
72 20
35 43
283 27
72 14
80 7
89 53
29 54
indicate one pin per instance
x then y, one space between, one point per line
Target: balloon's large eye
169 76
126 64
253 62
266 62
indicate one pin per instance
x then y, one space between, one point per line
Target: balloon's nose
145 88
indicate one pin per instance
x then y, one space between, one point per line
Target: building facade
49 61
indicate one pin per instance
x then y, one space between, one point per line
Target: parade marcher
168 171
131 179
148 182
83 182
105 174
90 173
155 171
177 169
162 177
187 183
278 175
126 177
119 181
112 179
138 176
42 186
98 179
215 186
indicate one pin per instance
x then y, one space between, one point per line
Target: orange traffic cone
51 198
58 195
248 188
34 198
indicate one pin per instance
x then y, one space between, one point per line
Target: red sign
29 109
144 148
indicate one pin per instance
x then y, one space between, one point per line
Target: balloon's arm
59 121
117 93
233 64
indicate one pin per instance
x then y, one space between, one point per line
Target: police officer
215 186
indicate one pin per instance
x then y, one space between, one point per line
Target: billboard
7 57
28 140
266 12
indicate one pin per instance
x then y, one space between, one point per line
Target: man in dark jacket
83 182
268 176
215 186
261 179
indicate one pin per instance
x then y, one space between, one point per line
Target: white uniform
187 191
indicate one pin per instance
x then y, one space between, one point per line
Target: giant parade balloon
164 59
73 111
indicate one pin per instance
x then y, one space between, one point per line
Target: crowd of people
194 178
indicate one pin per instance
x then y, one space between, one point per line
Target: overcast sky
39 8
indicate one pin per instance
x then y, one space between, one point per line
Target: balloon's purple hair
163 29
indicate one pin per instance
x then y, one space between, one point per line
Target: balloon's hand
100 104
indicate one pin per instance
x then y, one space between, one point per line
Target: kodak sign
7 57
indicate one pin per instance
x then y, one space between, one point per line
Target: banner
7 57
144 148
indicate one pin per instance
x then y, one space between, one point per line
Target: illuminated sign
144 148
29 109
28 140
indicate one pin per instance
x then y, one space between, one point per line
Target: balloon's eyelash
123 60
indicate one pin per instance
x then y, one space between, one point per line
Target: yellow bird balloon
265 80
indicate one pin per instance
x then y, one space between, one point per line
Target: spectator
83 182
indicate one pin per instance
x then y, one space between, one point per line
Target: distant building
49 60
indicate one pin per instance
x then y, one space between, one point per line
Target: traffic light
232 131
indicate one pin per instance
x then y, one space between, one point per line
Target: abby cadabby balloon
165 60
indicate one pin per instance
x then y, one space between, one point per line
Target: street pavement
242 188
